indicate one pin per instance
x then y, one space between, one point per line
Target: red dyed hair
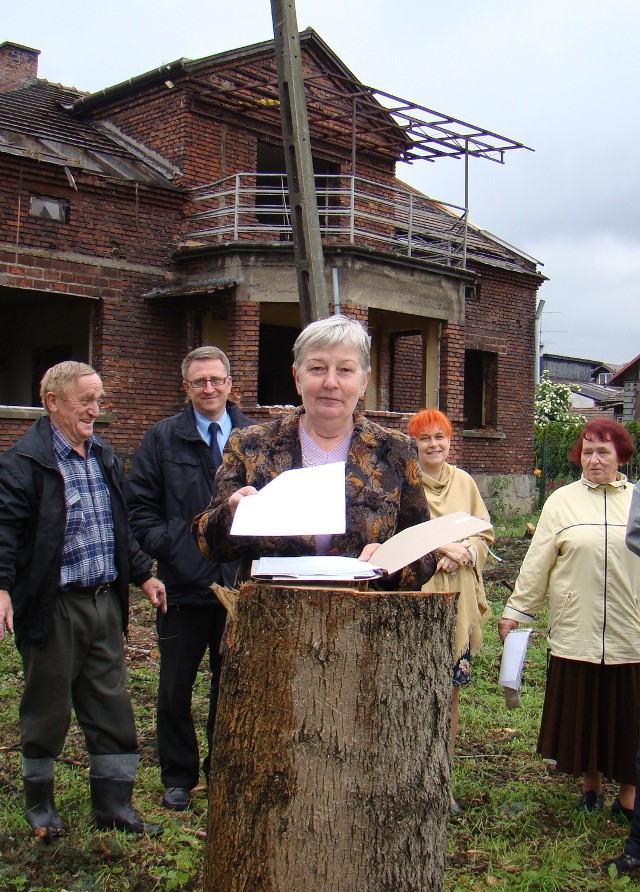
604 429
427 418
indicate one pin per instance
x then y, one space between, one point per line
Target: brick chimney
18 64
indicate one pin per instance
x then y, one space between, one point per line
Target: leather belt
92 590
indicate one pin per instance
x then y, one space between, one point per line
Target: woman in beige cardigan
578 564
460 564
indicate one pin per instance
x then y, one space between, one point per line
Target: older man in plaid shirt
66 559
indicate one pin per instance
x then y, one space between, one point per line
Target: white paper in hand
514 652
300 502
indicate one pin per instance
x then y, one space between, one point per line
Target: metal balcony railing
352 210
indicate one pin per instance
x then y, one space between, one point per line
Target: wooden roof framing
341 110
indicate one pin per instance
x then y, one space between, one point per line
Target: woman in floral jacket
383 482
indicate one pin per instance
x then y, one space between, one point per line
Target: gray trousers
82 666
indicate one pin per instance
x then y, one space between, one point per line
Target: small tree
556 430
552 402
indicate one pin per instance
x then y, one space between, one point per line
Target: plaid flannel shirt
88 556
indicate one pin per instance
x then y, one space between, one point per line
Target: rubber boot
41 812
111 799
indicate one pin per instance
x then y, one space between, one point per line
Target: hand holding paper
513 656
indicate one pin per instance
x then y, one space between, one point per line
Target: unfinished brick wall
501 321
119 242
107 219
113 248
158 117
243 333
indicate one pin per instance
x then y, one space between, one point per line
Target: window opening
276 386
272 198
480 390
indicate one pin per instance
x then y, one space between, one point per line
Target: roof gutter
149 78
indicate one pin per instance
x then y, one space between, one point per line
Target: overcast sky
560 76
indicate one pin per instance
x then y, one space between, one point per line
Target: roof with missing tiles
35 123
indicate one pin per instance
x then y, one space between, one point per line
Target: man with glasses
66 558
171 480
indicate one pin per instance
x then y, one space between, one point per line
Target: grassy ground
518 830
87 860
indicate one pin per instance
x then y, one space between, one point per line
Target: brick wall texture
120 243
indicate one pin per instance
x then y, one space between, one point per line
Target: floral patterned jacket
384 495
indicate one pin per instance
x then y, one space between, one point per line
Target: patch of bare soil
511 552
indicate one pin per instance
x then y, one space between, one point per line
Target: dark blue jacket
32 529
171 480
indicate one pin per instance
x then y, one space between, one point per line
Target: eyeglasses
201 383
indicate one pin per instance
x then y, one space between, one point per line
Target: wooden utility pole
329 768
307 245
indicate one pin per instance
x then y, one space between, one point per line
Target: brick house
152 217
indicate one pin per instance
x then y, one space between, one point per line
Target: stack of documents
312 568
405 547
312 502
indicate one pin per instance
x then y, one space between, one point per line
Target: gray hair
59 378
326 333
204 353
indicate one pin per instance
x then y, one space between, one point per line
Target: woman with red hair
459 568
578 560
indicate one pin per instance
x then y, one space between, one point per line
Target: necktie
214 427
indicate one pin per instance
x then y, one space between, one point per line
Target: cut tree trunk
329 770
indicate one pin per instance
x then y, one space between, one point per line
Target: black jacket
171 480
32 529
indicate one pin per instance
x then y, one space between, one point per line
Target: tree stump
330 770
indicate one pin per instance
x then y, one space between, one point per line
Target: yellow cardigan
457 491
578 560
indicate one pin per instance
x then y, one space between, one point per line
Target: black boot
41 811
111 798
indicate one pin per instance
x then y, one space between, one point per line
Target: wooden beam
307 244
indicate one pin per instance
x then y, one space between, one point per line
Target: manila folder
411 544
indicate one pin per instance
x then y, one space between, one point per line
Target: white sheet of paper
300 502
313 568
514 652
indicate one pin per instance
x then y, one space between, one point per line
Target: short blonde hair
59 378
326 333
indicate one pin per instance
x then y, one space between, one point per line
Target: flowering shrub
552 403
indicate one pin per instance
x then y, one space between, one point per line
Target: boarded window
47 208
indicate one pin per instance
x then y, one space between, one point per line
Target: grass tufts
518 830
